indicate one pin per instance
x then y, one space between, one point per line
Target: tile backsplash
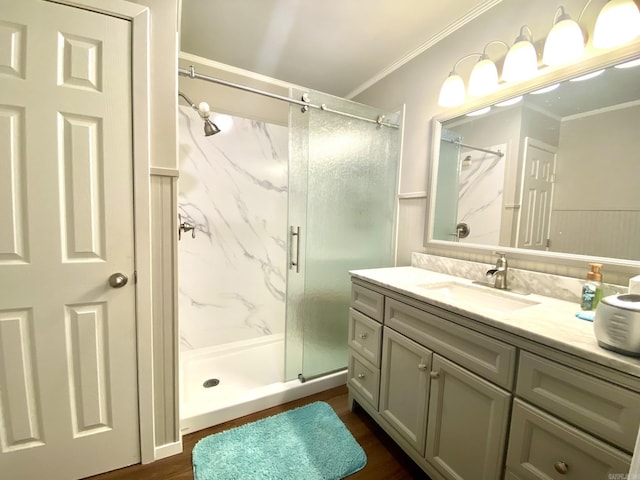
555 286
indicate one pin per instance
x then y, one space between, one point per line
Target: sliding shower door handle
294 260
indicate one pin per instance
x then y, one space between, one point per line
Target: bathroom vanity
476 383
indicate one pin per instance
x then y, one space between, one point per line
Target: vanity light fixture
521 62
565 42
484 76
618 23
452 92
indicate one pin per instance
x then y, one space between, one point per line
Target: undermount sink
484 297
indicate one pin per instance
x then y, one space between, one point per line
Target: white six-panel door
537 195
68 384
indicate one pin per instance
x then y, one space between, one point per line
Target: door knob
118 280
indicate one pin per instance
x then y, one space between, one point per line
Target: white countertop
551 322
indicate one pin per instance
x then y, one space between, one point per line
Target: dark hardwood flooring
385 460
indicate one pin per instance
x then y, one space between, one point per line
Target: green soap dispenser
592 288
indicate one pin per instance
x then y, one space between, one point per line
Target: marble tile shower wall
555 286
233 188
479 202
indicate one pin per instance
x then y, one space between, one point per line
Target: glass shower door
446 197
342 198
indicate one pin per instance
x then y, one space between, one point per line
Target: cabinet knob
422 366
363 335
561 467
435 374
361 376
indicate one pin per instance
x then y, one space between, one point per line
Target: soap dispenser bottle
592 288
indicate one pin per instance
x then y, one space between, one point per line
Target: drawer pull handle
561 467
363 336
361 376
434 374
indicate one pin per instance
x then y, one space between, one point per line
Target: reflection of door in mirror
446 213
537 195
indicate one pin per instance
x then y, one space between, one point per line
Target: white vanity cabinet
470 401
437 397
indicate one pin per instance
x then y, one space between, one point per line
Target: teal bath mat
307 443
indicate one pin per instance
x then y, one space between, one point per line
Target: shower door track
191 73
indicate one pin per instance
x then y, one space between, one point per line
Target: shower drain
212 382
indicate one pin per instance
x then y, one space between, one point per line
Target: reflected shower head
203 110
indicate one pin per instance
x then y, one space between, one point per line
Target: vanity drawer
367 301
603 409
489 358
543 447
365 336
364 378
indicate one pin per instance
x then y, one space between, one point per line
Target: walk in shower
279 216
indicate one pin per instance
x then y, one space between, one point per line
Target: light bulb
484 78
565 42
452 93
618 23
521 62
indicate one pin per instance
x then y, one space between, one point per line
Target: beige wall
585 172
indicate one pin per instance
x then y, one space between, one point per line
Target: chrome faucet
500 272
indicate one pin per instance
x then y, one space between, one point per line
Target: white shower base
251 376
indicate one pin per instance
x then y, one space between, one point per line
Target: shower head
204 111
210 128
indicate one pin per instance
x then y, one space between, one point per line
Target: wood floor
385 460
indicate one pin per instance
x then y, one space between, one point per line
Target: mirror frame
546 76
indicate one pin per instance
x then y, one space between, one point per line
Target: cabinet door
404 386
467 426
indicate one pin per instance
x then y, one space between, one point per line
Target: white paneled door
68 375
538 177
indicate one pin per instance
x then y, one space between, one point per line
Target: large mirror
554 170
